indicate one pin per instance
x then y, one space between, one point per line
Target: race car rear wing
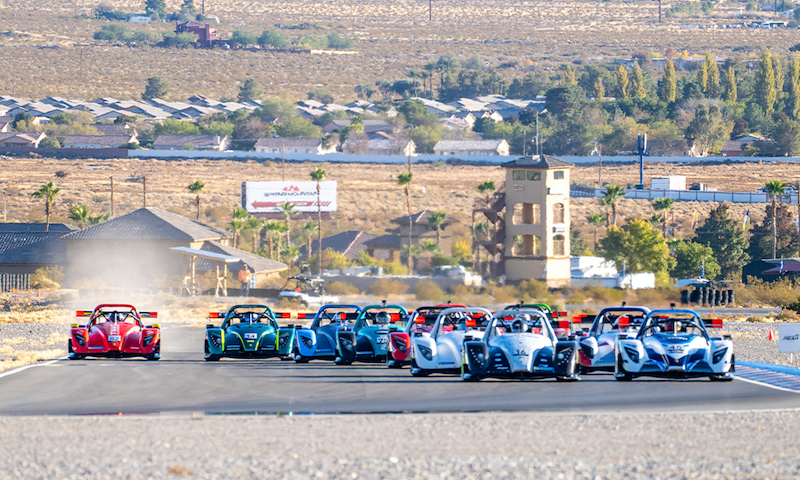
83 313
88 313
148 314
713 323
282 314
341 315
589 319
216 315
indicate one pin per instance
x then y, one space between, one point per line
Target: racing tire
286 358
619 371
418 372
300 359
72 354
156 355
206 348
339 361
469 377
212 358
725 377
568 379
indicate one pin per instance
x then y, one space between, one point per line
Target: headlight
148 339
346 344
719 355
283 339
400 345
307 342
426 352
215 340
633 353
80 339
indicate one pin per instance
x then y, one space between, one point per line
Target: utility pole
409 156
641 142
283 158
144 191
659 11
112 197
430 10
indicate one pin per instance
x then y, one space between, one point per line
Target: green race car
370 334
248 331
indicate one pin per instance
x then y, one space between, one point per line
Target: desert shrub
439 260
385 286
341 288
427 290
502 294
114 32
604 295
780 293
529 290
50 142
47 277
788 315
650 296
394 268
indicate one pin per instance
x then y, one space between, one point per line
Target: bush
385 287
780 293
439 260
788 315
114 32
50 142
48 277
341 288
533 290
427 290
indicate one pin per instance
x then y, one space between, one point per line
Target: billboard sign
264 197
789 337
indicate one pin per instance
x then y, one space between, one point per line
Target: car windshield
673 327
520 323
461 320
336 314
117 316
617 320
383 316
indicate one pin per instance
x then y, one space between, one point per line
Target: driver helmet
519 325
112 316
382 318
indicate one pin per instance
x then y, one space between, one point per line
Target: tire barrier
708 296
15 281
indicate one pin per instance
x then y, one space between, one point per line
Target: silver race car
520 344
597 346
439 351
674 344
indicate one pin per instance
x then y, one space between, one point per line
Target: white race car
440 350
674 344
597 346
521 344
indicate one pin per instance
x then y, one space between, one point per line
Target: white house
471 147
293 145
192 142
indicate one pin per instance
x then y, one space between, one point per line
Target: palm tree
597 220
280 230
437 219
481 229
414 76
774 188
611 195
238 223
430 67
196 187
308 229
49 192
270 227
404 180
656 219
79 214
319 175
487 187
288 211
664 204
290 254
255 225
94 220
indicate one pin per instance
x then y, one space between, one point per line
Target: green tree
217 128
319 175
169 126
309 228
693 259
188 10
729 89
271 227
298 127
243 37
668 85
250 91
288 210
487 187
786 139
156 88
726 239
780 79
338 42
638 246
276 108
611 196
596 220
785 243
712 89
417 114
49 142
156 8
48 192
707 129
576 244
238 223
437 219
426 137
272 38
404 180
599 88
569 75
793 101
765 83
196 187
702 76
622 82
638 90
663 204
79 214
774 188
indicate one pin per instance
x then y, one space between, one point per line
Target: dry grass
20 359
42 43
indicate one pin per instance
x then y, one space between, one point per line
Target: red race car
398 351
115 331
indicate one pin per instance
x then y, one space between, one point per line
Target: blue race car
370 334
320 341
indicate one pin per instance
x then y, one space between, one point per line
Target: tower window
558 245
558 175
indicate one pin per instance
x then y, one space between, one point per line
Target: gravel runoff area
419 446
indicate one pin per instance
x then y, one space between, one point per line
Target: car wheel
418 372
286 358
619 371
300 359
725 377
72 354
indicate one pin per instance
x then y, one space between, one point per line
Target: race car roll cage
492 330
234 313
338 317
602 318
657 318
469 321
99 312
371 312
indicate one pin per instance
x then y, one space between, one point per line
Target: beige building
531 222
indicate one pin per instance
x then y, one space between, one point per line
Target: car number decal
250 336
114 338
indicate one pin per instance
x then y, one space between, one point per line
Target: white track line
764 384
19 369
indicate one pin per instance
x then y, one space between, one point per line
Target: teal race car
370 334
249 331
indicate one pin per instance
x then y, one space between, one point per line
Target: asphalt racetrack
183 382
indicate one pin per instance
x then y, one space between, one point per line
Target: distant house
27 247
5 126
733 148
421 230
97 141
362 145
471 147
135 18
206 36
134 250
192 142
336 125
293 145
26 139
349 244
114 128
